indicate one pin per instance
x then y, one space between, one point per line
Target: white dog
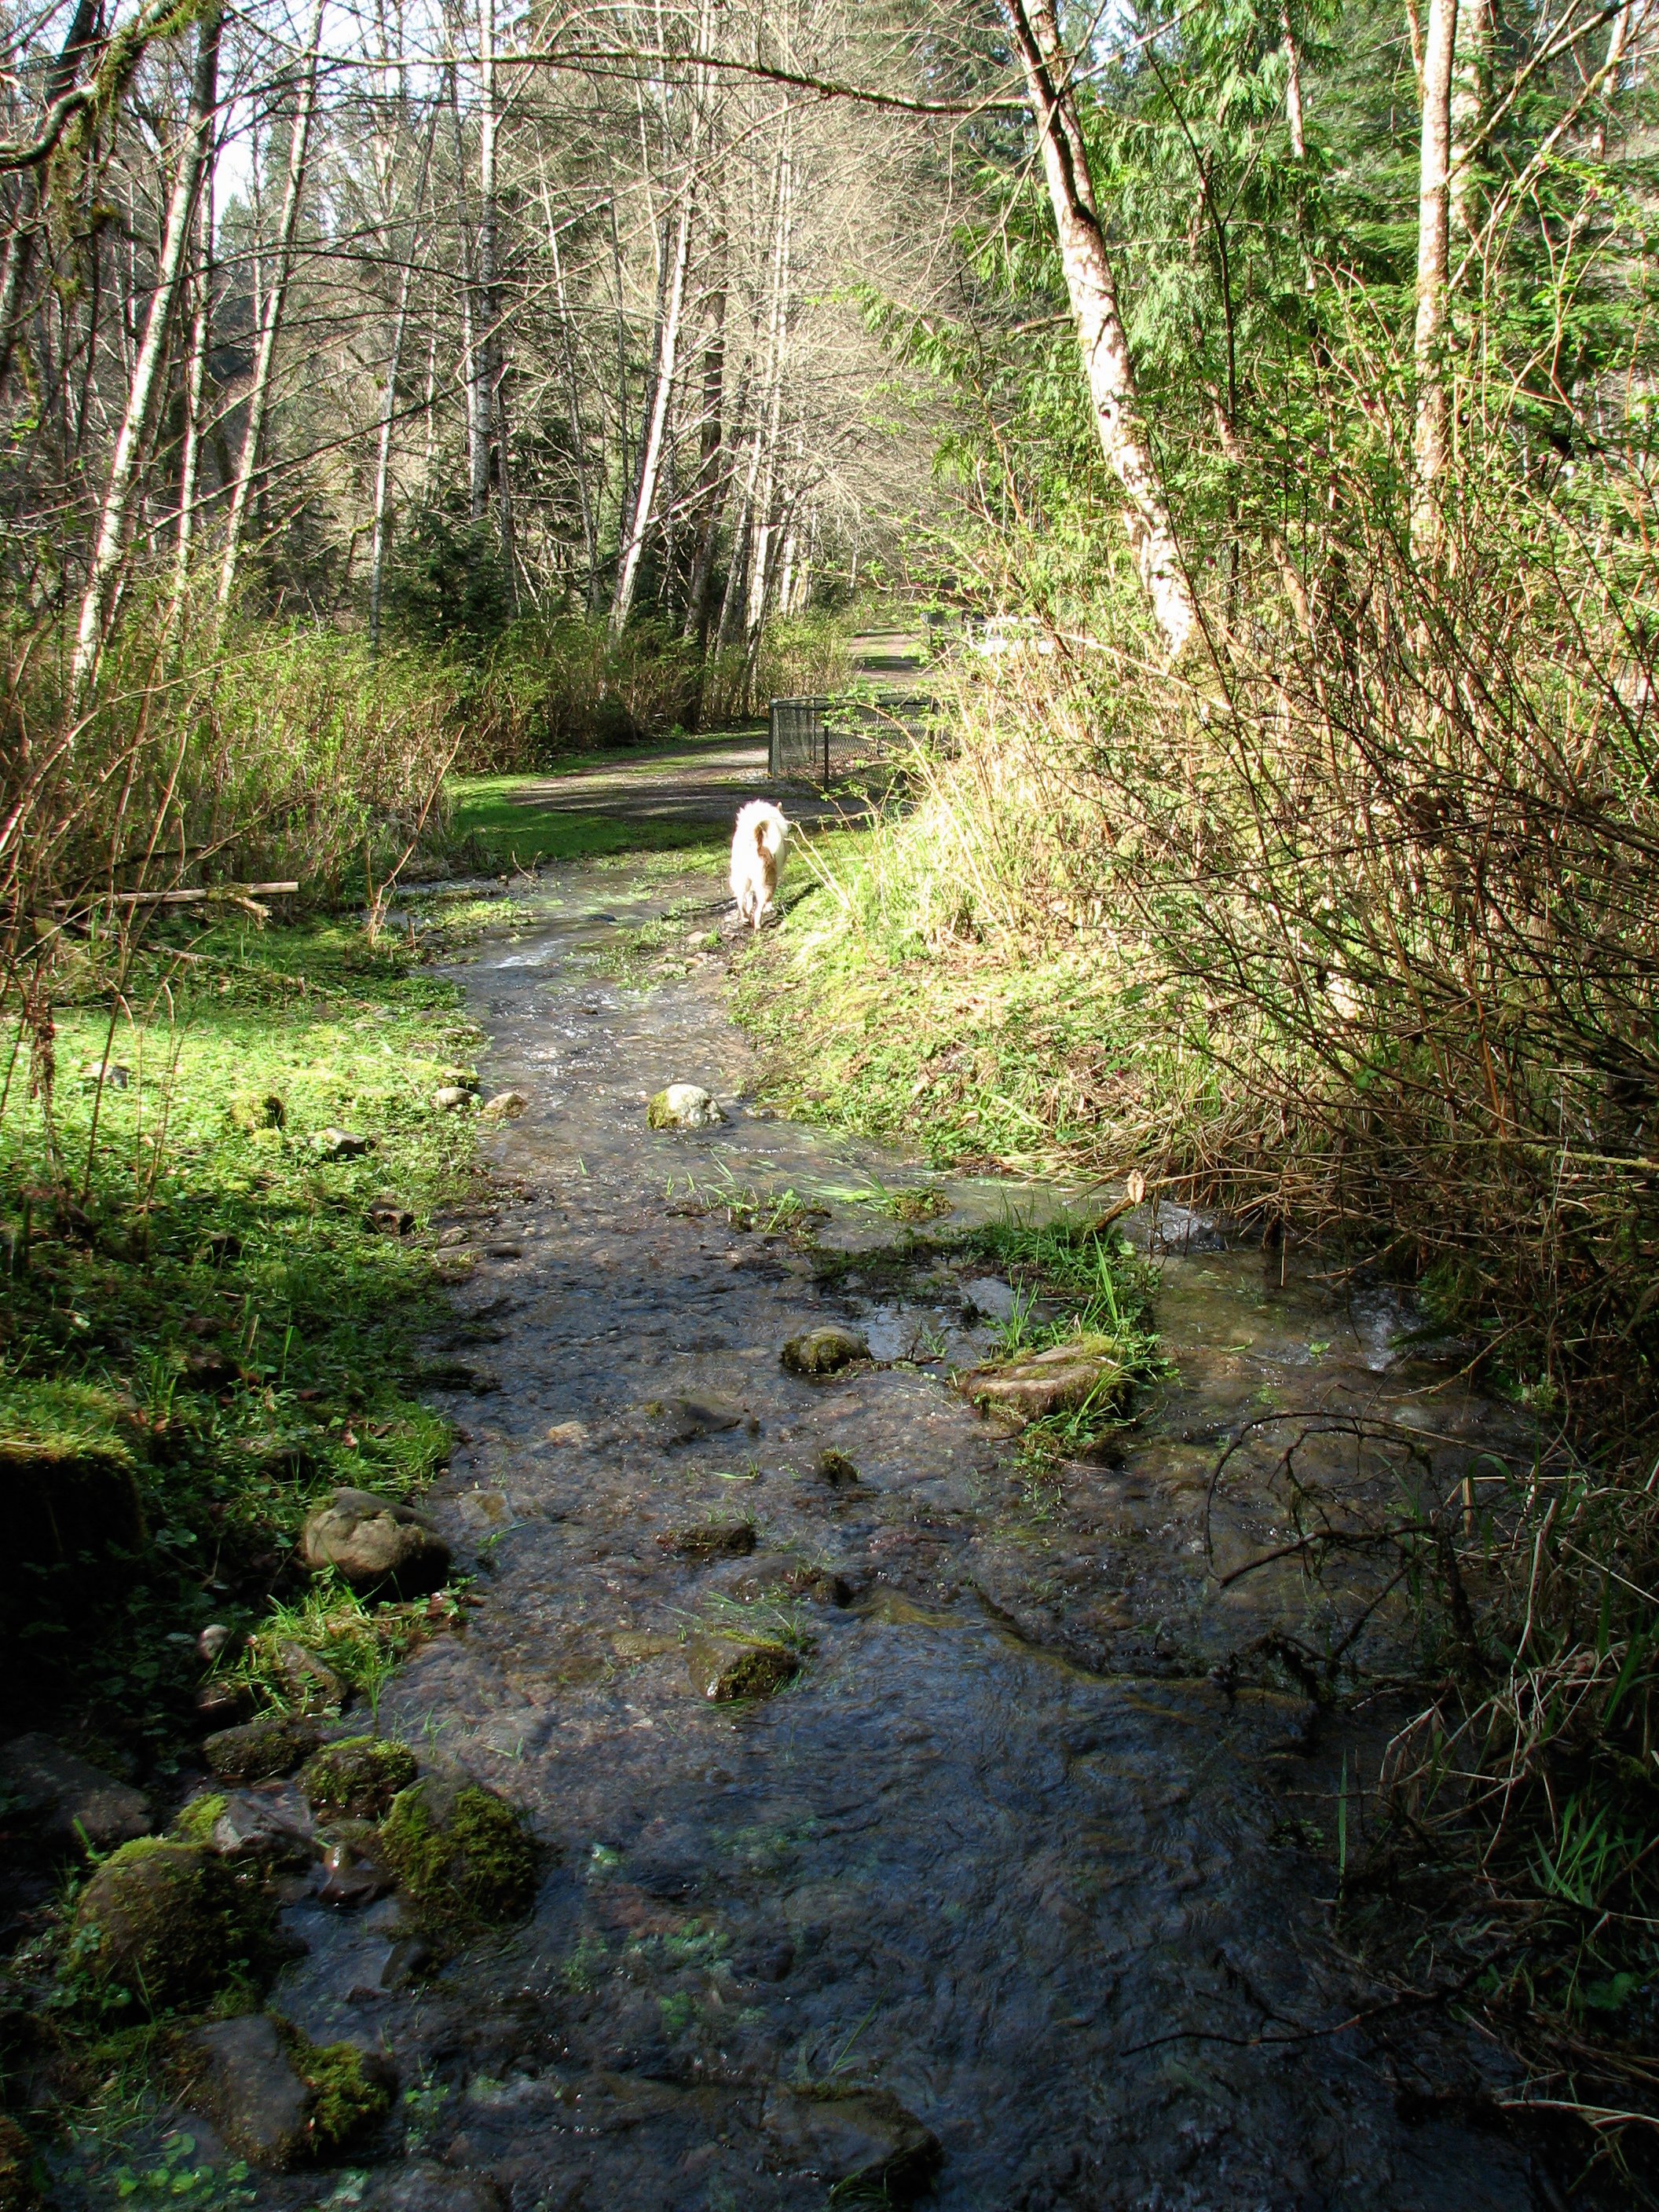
757 845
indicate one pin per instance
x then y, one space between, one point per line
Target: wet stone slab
992 1852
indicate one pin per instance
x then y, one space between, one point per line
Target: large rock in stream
1058 1381
853 2140
375 1544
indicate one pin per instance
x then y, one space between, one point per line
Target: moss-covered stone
358 1777
173 1924
257 1109
274 1744
461 1852
20 2168
724 1668
195 1823
351 2092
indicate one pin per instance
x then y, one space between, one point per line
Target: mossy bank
216 1210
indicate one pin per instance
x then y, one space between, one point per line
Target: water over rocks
970 1882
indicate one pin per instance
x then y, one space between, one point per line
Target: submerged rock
853 2139
684 1106
253 2091
461 1852
375 1542
65 1800
714 1540
726 1667
823 1350
687 1415
837 1470
280 2100
274 1744
357 1777
1057 1381
423 2187
505 1106
171 1923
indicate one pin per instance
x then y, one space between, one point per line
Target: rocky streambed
903 1820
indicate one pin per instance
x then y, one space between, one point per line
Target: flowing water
1017 1845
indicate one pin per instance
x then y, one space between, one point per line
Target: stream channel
1015 1860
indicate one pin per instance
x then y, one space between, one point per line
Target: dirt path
1003 1870
707 782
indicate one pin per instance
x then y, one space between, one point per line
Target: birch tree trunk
201 344
1471 93
1431 443
121 495
1103 341
1293 85
299 148
657 426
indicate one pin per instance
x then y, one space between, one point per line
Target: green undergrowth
956 1050
202 1328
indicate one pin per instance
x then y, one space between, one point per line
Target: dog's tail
762 845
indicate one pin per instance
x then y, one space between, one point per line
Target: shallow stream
1017 1846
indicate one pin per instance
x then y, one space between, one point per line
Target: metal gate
815 740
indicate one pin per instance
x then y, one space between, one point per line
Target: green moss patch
462 1855
358 1777
171 1925
351 2094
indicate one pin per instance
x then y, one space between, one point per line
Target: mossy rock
21 2169
350 2091
462 1854
196 1822
274 1744
173 1924
253 1110
357 1777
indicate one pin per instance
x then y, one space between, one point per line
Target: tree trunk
1471 93
657 426
201 344
299 148
711 475
473 380
1101 335
492 396
578 431
389 412
1618 40
19 245
1431 438
120 496
1294 84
